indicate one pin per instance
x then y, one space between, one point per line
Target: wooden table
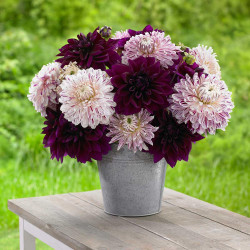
77 221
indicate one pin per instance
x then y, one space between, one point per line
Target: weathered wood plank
183 227
82 225
130 235
28 208
93 197
78 221
212 212
205 227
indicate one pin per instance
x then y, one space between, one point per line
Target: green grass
9 240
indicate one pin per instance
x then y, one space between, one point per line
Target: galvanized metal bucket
132 184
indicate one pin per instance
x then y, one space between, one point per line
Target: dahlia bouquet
136 89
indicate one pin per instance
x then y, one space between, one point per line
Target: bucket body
132 184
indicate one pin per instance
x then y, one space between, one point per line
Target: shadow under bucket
132 184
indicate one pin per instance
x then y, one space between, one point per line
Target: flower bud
105 31
189 59
183 47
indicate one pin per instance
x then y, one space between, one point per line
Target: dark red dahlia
172 141
140 84
64 138
89 51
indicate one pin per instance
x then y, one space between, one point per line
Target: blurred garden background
218 170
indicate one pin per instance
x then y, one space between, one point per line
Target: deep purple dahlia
172 141
147 28
140 84
89 51
181 67
64 138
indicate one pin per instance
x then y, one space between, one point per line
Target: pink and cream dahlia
204 103
42 92
135 131
206 59
153 44
87 99
121 34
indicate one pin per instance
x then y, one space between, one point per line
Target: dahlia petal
102 58
157 157
118 69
